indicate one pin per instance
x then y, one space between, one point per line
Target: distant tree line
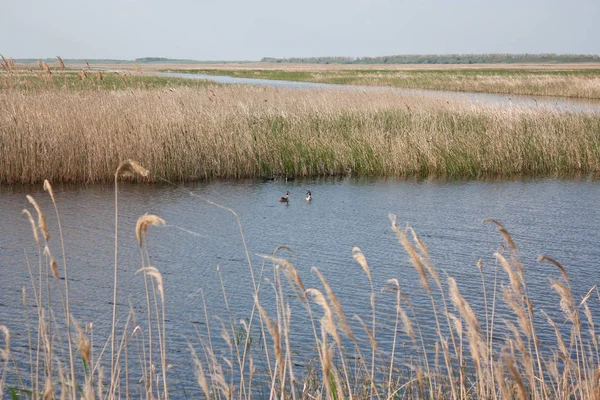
443 59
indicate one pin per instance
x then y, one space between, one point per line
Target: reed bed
468 358
186 134
578 83
60 80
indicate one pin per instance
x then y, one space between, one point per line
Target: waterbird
285 199
308 196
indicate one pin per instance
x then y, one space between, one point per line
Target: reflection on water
509 100
555 217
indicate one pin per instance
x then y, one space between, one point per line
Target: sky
250 30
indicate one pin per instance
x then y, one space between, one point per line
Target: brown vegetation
188 134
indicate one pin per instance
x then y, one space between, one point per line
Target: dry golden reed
144 222
52 262
68 136
480 362
33 226
41 218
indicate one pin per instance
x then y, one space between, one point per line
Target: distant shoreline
399 59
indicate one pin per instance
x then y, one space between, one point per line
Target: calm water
555 103
559 218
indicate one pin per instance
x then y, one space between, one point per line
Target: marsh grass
188 134
578 83
477 362
59 80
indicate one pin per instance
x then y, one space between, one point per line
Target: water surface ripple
545 216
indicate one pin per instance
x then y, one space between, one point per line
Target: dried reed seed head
144 222
48 188
4 63
46 69
225 335
412 253
567 303
515 281
544 258
500 228
418 241
273 329
53 265
478 347
155 273
393 284
515 301
591 325
479 264
463 307
336 306
326 357
5 352
326 321
130 168
60 62
83 343
291 274
588 294
457 322
33 227
24 296
41 218
358 255
199 372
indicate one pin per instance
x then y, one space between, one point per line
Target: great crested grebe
285 199
308 196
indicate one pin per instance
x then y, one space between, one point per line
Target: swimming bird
285 199
308 196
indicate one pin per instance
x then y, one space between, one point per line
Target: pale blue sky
237 29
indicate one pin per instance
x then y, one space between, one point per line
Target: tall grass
476 361
186 134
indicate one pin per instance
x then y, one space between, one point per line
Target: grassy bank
579 83
252 132
491 351
30 80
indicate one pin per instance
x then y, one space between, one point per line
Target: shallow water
559 218
508 100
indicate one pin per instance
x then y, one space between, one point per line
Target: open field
206 132
579 83
491 351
